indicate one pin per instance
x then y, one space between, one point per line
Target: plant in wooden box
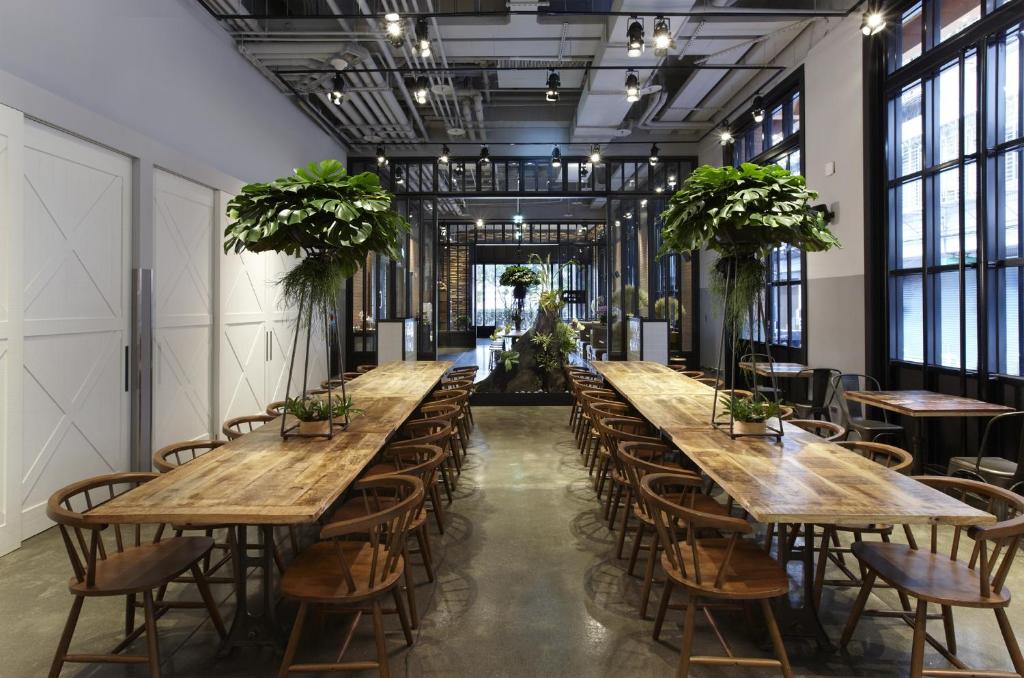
316 413
520 279
742 214
750 414
335 221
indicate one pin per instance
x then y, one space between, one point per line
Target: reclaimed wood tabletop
800 479
778 370
261 479
919 403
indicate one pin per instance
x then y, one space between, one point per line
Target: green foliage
509 359
671 304
551 301
742 214
320 409
554 347
749 409
519 276
338 219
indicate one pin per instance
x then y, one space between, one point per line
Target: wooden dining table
800 479
263 480
774 369
921 405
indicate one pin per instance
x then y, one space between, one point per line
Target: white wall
166 69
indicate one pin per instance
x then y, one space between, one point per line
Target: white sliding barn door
77 226
183 240
11 127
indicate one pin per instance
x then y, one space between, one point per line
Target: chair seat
932 577
316 574
752 573
995 470
874 425
143 568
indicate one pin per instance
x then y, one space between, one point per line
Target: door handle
127 369
270 341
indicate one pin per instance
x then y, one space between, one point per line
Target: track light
654 155
635 37
872 23
672 181
554 82
517 218
662 35
399 176
556 157
393 28
485 154
659 189
443 158
632 86
381 158
337 94
725 134
628 215
421 90
758 110
423 37
595 153
479 223
643 203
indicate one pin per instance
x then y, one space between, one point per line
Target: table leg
802 621
248 629
917 446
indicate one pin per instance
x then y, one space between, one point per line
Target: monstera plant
333 219
743 213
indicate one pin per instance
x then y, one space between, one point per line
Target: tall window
777 139
954 148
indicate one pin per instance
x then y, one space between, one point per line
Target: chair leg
917 652
687 645
435 500
1011 642
645 592
378 636
625 525
819 574
402 615
773 631
858 608
151 637
65 638
410 588
947 625
211 605
129 614
424 541
666 595
637 538
293 641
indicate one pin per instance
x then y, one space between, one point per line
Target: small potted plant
315 413
750 415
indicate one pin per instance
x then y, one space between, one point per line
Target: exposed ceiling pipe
441 51
478 106
467 115
446 110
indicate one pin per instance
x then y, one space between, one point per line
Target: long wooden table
261 479
802 479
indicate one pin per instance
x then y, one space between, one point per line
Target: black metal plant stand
758 320
292 430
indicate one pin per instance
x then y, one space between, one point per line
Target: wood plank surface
260 479
777 370
916 403
802 479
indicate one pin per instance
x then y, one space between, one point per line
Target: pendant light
337 94
595 153
382 159
758 109
632 86
443 158
399 176
872 23
393 29
635 37
662 35
653 160
423 37
554 82
485 154
421 90
556 157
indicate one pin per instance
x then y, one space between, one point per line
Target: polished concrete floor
528 585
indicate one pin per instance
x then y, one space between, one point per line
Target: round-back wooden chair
129 565
172 456
960 575
736 393
236 427
276 408
451 411
357 563
724 566
577 383
363 369
436 431
693 374
614 431
597 408
585 429
823 429
713 382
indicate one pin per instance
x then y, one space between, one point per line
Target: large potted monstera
332 219
742 214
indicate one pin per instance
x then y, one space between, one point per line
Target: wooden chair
578 383
356 564
418 432
130 567
418 461
336 382
236 427
831 548
363 369
276 408
451 411
942 578
637 459
598 409
823 429
711 569
460 398
586 430
693 374
614 431
736 393
713 382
